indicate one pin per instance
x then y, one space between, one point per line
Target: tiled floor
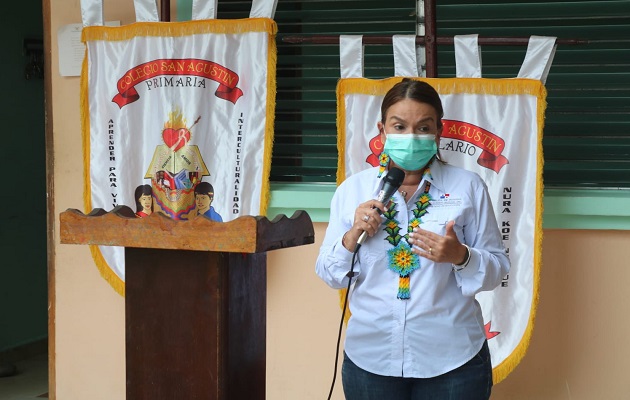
29 383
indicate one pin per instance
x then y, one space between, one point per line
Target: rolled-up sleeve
334 260
489 262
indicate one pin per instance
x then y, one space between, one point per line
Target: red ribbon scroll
226 78
491 144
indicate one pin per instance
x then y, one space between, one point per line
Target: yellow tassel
106 272
502 370
342 297
443 86
269 118
85 135
341 135
175 29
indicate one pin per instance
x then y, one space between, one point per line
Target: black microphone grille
395 176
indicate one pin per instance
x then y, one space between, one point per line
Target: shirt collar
435 176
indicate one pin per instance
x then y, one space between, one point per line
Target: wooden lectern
195 298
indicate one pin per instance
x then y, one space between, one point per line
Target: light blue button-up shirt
440 327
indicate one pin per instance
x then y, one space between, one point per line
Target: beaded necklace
401 259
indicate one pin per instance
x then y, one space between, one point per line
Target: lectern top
247 234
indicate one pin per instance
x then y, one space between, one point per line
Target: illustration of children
176 168
204 194
144 201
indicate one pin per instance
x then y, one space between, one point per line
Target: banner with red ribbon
174 73
178 118
494 128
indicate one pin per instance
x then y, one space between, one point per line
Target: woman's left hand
438 248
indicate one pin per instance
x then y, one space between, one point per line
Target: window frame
564 208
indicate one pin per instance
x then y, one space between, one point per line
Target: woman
416 330
144 201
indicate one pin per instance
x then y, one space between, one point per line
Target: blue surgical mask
410 151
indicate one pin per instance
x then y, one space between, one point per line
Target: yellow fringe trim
516 86
175 29
501 371
342 297
341 134
379 87
85 134
106 272
272 55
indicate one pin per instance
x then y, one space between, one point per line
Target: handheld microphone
391 183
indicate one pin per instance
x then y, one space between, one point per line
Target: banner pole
430 37
421 41
165 10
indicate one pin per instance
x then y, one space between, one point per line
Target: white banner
494 128
171 108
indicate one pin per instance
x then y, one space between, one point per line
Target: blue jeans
471 381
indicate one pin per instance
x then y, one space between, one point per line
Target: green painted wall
23 272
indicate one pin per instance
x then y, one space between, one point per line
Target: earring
383 162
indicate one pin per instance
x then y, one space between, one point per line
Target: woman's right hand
367 218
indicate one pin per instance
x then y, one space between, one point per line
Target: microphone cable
350 274
391 182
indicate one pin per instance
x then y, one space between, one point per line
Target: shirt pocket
437 219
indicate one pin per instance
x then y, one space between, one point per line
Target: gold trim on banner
269 119
174 29
515 86
341 133
106 272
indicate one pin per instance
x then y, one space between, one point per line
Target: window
305 148
587 127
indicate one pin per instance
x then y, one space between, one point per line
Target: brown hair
419 91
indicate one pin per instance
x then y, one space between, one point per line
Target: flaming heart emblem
175 139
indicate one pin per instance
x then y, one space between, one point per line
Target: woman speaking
416 330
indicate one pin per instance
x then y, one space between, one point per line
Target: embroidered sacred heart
176 138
